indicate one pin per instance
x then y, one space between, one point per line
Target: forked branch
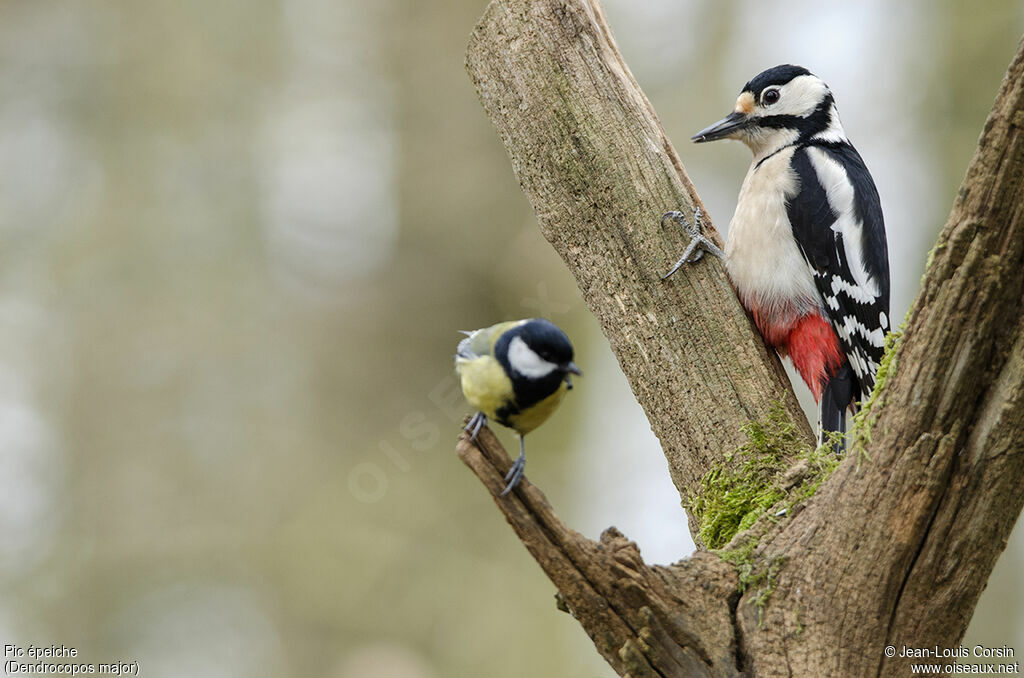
645 621
897 545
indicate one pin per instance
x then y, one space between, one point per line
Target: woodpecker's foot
475 423
699 243
516 472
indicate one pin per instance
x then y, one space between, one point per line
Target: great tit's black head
779 107
536 350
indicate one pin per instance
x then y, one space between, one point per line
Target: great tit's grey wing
481 342
465 348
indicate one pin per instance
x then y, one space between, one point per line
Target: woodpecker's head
777 108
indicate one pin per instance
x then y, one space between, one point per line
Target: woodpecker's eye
769 97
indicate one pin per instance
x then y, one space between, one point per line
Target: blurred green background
238 240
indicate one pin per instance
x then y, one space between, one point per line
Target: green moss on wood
865 418
931 257
753 576
770 474
775 469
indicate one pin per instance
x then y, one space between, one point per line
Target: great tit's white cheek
526 362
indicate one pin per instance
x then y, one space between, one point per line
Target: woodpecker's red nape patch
814 349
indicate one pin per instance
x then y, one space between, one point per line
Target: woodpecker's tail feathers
835 400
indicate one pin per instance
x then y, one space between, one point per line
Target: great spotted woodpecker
806 247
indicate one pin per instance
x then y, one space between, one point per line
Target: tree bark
896 546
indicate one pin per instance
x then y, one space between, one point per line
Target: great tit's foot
475 423
515 473
699 243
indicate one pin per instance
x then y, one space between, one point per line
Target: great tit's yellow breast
485 384
532 417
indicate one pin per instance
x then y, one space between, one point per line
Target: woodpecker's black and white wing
837 221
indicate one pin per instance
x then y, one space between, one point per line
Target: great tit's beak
571 369
725 127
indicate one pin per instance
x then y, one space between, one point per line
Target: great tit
515 373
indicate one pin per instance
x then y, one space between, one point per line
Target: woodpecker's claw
699 243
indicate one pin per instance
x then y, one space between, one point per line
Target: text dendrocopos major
806 248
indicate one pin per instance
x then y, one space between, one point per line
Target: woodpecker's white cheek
526 362
800 96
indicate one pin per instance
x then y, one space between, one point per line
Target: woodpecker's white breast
762 257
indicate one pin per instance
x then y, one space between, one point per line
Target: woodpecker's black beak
571 369
725 127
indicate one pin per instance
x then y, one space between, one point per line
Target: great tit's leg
475 423
699 243
516 472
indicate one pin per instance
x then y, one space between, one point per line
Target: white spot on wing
883 321
862 366
851 326
855 292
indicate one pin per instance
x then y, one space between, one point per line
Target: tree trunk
935 482
600 172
